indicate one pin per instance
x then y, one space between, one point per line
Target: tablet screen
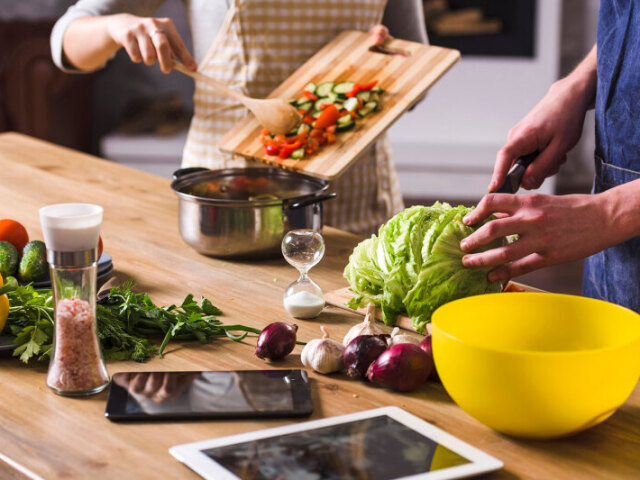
375 448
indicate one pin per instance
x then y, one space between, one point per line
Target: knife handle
514 177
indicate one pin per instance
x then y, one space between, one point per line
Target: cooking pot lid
254 185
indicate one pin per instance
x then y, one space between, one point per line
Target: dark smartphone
140 396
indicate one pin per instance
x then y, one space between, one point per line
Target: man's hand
551 229
553 127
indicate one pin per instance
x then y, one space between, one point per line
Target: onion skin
276 340
425 345
362 352
403 367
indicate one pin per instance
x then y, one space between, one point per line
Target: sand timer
303 249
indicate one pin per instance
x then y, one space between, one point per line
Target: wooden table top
48 436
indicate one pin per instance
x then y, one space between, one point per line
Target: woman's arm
91 31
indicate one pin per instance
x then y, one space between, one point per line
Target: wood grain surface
43 435
338 298
347 58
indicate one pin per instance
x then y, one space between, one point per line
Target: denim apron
614 274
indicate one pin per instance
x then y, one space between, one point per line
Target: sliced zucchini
304 128
311 87
364 95
324 89
345 119
350 104
342 88
298 154
306 106
343 127
376 89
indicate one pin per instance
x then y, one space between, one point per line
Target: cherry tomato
272 149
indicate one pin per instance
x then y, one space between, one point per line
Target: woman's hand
149 40
551 229
379 34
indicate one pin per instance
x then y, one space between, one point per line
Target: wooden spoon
274 114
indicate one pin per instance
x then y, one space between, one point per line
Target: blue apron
614 274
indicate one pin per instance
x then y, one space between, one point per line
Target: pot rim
191 178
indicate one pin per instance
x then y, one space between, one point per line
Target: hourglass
303 249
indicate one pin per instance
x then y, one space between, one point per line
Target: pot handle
186 171
312 200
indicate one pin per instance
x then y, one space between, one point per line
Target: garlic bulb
397 338
367 327
324 354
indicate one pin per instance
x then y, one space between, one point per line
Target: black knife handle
514 177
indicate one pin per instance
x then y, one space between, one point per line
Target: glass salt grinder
303 249
71 232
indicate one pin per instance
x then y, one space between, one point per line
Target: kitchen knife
512 182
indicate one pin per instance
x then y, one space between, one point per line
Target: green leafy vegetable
414 264
124 321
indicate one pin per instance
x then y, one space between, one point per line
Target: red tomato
328 117
272 148
14 233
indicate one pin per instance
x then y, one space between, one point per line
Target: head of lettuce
414 264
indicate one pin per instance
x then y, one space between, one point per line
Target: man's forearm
87 44
622 207
583 79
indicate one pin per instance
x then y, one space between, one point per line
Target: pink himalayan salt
76 363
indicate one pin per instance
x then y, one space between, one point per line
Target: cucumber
8 259
374 97
298 154
372 105
291 133
304 128
344 119
33 265
324 100
376 89
301 101
316 114
342 88
306 106
364 111
324 89
311 87
293 102
364 95
350 104
346 126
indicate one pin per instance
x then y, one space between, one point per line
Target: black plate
105 266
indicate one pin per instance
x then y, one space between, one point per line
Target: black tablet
208 395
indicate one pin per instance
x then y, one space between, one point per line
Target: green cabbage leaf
414 264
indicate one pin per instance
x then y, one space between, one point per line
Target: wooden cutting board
338 298
404 79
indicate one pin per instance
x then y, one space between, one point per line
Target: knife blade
514 177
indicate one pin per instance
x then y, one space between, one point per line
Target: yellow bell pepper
4 308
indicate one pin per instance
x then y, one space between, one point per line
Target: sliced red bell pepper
360 87
309 96
328 117
287 150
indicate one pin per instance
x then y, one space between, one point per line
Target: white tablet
380 444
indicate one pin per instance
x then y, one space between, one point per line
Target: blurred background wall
511 51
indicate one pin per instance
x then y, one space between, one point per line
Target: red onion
276 340
425 345
403 367
361 352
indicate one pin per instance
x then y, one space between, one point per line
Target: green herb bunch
125 321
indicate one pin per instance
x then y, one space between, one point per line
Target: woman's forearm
583 79
87 44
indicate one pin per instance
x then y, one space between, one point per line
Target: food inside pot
250 188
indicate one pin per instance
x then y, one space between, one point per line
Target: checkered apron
260 44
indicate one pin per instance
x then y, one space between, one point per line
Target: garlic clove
397 338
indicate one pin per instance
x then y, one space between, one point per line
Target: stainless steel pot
245 212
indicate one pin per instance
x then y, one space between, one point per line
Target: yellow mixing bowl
537 365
